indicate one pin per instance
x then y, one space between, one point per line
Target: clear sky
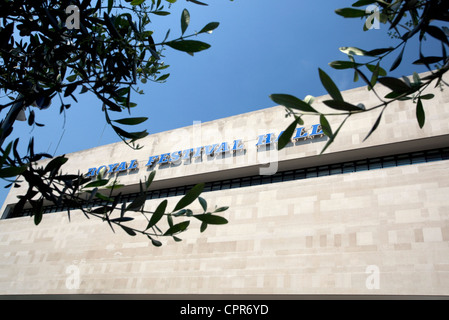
261 47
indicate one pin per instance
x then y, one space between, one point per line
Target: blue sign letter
152 160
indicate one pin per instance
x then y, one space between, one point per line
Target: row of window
305 173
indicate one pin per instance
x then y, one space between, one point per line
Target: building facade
363 218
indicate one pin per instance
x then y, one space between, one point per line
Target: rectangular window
361 165
323 171
402 160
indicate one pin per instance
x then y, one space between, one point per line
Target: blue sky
261 47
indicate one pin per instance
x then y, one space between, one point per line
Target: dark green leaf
5 154
398 60
210 27
394 84
286 136
130 135
188 46
131 121
292 102
341 105
55 164
155 242
376 124
330 86
129 231
163 77
428 60
362 3
340 65
221 209
31 118
158 214
198 2
110 4
379 51
38 213
122 219
177 228
211 219
190 196
203 226
427 96
137 204
160 13
150 179
325 126
351 12
420 114
203 203
437 33
375 75
69 89
332 138
364 78
185 20
97 183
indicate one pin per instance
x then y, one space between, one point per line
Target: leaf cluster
367 64
109 54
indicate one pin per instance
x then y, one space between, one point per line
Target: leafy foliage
424 20
108 52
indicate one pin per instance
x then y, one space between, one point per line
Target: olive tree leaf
211 219
137 203
203 203
185 20
188 46
420 114
158 214
209 27
131 121
351 13
325 126
376 124
394 84
398 60
341 65
190 196
177 228
292 102
330 86
285 136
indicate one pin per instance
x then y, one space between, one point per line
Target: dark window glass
348 167
300 174
323 171
266 179
245 182
445 154
311 173
256 180
216 186
402 160
288 175
336 169
433 155
276 177
375 164
361 165
389 162
235 183
226 184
